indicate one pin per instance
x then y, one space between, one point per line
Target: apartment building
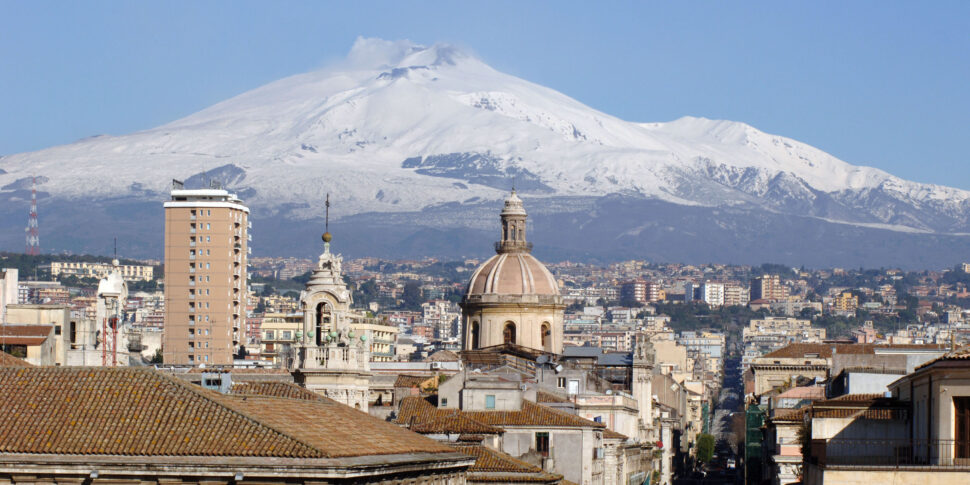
736 295
206 246
710 293
130 272
641 291
768 287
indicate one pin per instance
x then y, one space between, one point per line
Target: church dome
514 273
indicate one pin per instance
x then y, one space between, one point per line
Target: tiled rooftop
790 415
543 396
961 353
609 434
866 406
421 416
495 466
803 392
142 412
7 360
824 350
15 334
275 389
410 381
532 414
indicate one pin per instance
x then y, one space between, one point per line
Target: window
57 330
542 444
208 226
573 386
508 333
561 382
208 239
287 335
961 408
490 401
598 419
269 335
444 402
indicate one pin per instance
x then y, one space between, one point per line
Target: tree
705 447
412 295
157 358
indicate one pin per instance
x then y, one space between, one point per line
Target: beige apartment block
129 272
206 246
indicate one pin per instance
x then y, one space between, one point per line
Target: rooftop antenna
326 234
116 247
33 239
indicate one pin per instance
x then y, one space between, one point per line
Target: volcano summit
417 146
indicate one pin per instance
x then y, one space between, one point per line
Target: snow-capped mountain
402 128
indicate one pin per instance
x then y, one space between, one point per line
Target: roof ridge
562 413
505 457
202 393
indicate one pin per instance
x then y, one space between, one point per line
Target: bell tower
332 359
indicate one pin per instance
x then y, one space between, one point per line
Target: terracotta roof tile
544 396
7 360
867 406
495 466
790 415
29 341
410 381
532 414
824 350
961 353
125 411
275 389
804 392
14 330
421 416
235 371
609 434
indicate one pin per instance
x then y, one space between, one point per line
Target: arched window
508 333
546 330
322 323
474 336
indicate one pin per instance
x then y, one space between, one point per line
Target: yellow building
845 303
279 337
382 337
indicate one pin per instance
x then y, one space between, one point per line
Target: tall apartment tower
206 243
768 287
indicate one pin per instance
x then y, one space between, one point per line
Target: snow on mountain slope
400 127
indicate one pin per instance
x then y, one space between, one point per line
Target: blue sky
885 84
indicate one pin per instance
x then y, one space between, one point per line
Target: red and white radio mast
33 239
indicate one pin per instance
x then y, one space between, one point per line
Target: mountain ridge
401 128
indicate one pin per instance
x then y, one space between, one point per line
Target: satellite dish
542 359
558 368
